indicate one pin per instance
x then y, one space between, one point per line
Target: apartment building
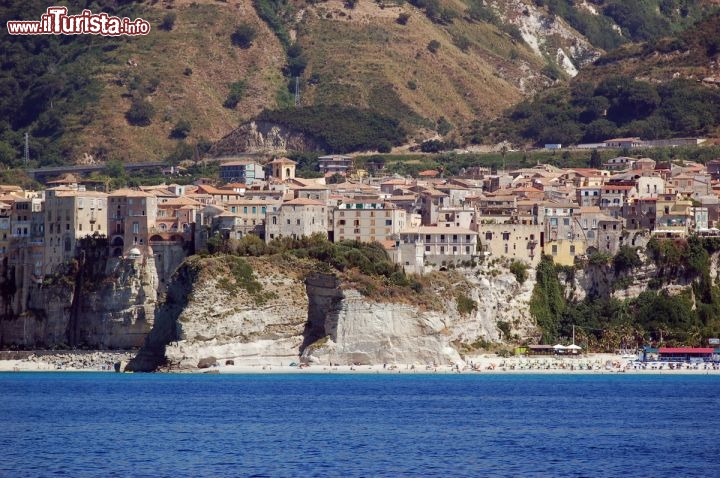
246 172
71 214
367 220
131 215
296 218
434 245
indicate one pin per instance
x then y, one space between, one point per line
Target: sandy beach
95 361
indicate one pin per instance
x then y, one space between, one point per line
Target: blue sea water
166 425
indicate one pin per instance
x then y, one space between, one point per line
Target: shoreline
102 361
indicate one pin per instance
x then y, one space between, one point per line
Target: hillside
208 66
665 88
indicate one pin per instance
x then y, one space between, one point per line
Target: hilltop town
424 223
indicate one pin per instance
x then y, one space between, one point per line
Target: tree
595 159
433 46
403 19
244 35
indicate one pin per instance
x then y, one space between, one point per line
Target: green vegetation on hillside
640 20
618 106
339 129
48 86
366 264
604 323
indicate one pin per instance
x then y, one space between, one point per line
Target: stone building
296 218
131 216
71 214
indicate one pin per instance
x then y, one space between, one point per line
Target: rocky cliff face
260 136
115 312
362 331
318 317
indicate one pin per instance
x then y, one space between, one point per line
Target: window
263 210
506 236
488 236
79 227
388 222
136 228
298 222
572 250
254 209
554 250
245 209
566 222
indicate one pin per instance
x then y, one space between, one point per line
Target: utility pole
297 91
27 150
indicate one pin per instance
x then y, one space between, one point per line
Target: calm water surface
113 425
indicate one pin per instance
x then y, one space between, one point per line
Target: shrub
403 19
141 113
384 147
168 21
244 35
235 95
433 46
181 130
462 42
465 305
520 270
626 259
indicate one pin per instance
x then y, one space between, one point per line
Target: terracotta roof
303 202
282 161
127 192
429 173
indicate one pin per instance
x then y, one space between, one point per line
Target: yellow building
564 251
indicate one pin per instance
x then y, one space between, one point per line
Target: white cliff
300 315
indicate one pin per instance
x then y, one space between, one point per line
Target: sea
358 425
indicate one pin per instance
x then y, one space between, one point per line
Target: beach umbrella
573 347
559 347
